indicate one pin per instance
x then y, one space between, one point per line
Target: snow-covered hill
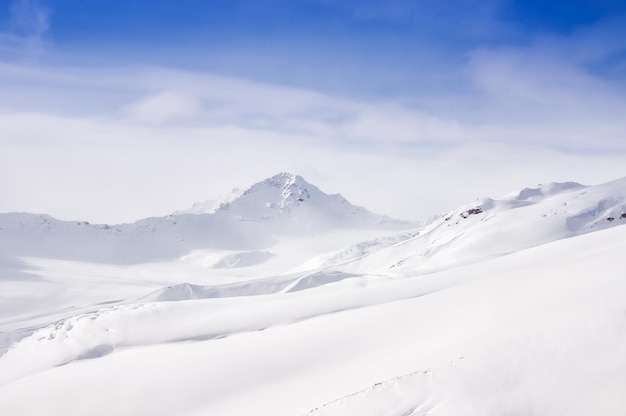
489 228
537 332
283 300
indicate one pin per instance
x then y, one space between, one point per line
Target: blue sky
347 93
359 47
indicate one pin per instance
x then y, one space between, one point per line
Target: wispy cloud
162 108
163 139
22 34
28 18
556 90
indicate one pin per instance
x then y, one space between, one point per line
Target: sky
112 111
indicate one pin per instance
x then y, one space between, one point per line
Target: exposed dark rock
472 211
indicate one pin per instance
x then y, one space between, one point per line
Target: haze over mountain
282 205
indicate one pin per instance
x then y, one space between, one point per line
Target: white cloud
541 81
117 144
110 172
567 80
163 107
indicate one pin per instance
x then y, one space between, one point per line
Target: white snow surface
288 301
493 227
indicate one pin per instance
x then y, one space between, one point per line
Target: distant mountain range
247 223
284 204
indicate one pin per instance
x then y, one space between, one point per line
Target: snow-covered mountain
296 206
283 205
489 228
283 300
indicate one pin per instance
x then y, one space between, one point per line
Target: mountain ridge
492 227
284 204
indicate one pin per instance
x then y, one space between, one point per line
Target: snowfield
298 303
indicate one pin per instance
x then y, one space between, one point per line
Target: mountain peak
283 179
291 186
294 200
293 189
277 194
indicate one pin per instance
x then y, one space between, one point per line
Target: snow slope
541 331
48 268
282 302
490 228
552 341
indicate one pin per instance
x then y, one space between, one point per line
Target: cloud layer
112 139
